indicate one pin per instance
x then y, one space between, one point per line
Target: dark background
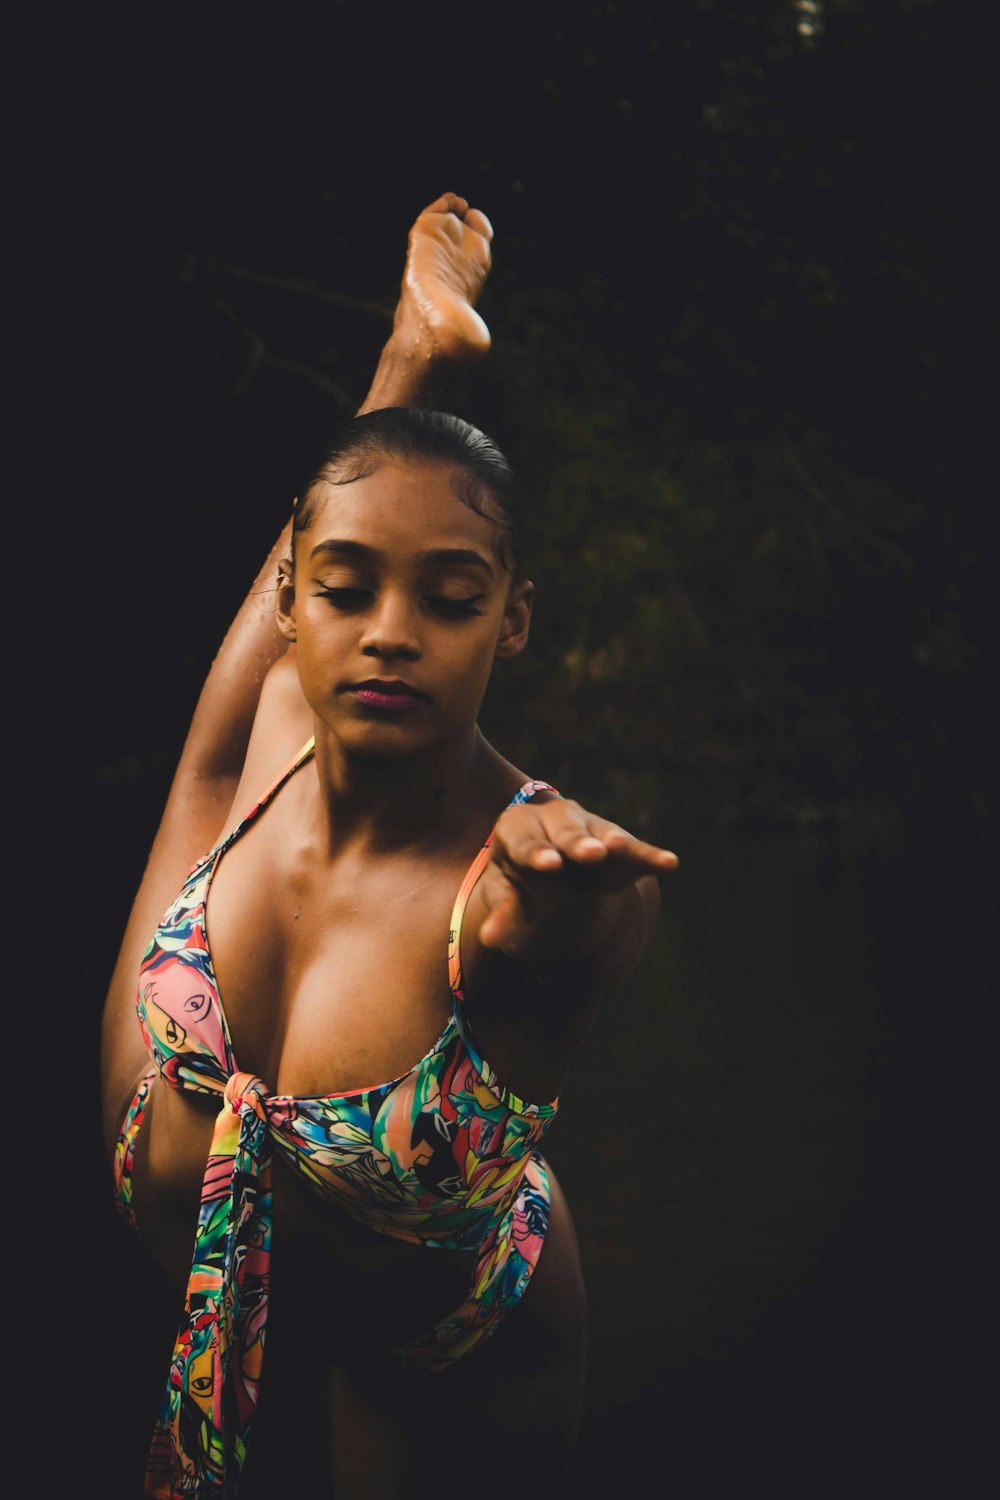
744 339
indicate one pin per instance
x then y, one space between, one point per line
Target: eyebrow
439 555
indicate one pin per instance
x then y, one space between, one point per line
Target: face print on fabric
177 1000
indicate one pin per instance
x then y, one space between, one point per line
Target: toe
477 220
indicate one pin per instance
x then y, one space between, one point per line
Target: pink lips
386 695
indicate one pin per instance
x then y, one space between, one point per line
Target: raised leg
435 328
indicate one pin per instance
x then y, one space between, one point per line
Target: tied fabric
199 1442
443 1156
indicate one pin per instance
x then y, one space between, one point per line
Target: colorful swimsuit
443 1156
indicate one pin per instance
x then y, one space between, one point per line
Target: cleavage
331 979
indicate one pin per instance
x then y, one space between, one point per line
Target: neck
399 802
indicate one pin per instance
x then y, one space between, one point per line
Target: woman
423 1302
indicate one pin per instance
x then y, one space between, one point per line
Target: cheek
473 665
319 656
323 635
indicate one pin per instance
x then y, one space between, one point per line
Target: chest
332 976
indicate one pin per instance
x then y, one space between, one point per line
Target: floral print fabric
443 1156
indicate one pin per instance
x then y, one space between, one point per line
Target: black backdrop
743 353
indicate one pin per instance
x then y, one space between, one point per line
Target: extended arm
562 914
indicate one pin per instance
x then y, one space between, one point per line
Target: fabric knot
246 1088
199 1444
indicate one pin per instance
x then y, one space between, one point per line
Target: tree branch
302 289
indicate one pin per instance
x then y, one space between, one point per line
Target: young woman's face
399 605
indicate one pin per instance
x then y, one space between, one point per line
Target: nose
392 628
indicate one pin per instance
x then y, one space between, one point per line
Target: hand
550 865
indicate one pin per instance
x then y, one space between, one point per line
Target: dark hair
358 447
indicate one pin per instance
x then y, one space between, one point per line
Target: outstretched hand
447 263
549 861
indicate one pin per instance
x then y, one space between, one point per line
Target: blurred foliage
742 356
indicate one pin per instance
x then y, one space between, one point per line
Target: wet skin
328 924
346 884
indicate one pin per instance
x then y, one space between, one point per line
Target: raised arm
435 328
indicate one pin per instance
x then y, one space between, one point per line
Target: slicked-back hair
485 481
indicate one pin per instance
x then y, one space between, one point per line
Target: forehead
403 508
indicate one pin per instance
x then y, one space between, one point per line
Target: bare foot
436 326
447 263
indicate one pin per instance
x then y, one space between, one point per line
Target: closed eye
453 607
354 599
345 598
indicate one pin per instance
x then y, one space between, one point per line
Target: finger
521 840
586 839
637 851
574 832
546 835
659 859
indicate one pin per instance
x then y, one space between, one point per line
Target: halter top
437 1156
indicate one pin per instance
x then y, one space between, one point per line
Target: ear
284 604
516 621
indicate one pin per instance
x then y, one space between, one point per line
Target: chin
383 744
